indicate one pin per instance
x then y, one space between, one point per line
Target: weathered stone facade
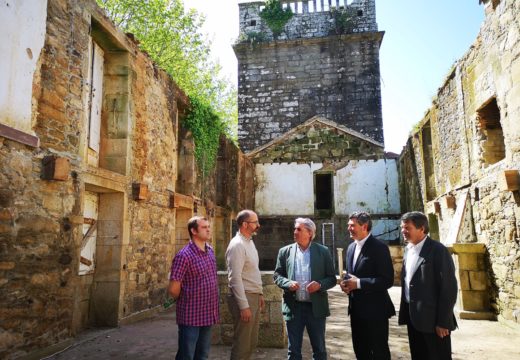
358 175
311 69
462 162
132 194
318 140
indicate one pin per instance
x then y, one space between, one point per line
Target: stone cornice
247 47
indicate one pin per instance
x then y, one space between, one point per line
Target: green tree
172 36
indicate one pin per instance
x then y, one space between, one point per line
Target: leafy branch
173 39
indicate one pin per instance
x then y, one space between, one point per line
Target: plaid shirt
197 271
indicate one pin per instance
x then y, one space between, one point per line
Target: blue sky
423 38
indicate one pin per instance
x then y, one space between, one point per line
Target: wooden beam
55 168
509 180
20 136
140 191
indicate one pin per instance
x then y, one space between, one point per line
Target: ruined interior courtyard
98 174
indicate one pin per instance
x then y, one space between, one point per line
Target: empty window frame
492 143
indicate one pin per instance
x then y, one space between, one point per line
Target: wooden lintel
19 136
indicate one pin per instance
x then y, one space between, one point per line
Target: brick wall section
490 69
283 83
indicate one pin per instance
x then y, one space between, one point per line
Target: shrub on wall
275 16
345 19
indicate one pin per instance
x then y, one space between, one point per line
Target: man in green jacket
305 271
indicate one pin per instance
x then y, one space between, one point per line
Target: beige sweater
243 272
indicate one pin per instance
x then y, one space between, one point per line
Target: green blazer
322 271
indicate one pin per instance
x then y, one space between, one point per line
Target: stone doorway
101 260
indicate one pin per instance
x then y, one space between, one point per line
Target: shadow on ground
156 339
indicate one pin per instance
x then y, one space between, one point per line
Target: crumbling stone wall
44 301
409 184
154 163
284 82
309 19
471 204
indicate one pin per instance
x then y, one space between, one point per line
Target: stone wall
409 190
47 175
272 326
309 19
284 82
460 153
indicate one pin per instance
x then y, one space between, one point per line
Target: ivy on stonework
206 128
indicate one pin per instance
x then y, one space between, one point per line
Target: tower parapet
312 18
324 63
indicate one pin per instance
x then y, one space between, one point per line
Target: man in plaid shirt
193 283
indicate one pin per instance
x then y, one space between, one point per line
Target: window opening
492 144
323 191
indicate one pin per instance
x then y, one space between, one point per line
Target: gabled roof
310 122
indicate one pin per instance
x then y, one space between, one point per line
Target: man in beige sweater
245 299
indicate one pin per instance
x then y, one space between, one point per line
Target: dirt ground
156 339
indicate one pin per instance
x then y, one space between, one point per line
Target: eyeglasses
253 222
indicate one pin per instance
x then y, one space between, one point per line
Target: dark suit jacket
322 271
376 273
433 290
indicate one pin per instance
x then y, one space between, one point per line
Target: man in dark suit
305 271
369 276
429 291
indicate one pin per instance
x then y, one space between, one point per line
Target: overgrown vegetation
275 16
205 126
345 19
172 37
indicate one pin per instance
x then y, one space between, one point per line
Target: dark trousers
426 346
304 319
370 338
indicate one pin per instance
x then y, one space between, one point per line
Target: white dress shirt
412 255
357 251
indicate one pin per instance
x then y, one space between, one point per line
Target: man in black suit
369 276
429 291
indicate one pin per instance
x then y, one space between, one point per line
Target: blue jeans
194 342
303 318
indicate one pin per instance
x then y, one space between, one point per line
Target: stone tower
326 63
